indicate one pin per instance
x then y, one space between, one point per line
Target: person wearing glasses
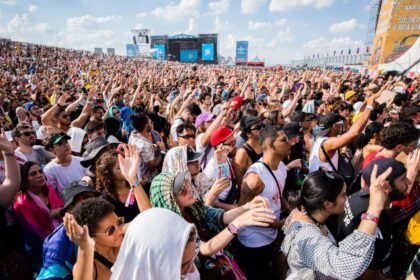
216 227
251 151
25 137
99 233
265 178
37 210
310 247
186 134
220 165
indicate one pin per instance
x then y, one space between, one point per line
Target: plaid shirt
407 207
306 247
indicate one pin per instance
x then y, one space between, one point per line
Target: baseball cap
179 181
349 94
299 116
383 164
28 106
220 135
261 97
291 129
248 121
192 155
203 117
327 121
55 138
75 188
238 101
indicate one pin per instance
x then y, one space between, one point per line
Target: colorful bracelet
136 183
370 217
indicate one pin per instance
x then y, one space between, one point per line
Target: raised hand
5 144
129 163
77 234
378 189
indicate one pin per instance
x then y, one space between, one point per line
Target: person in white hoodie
154 251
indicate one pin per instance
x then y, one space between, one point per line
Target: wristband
233 229
370 107
8 154
61 107
370 217
136 183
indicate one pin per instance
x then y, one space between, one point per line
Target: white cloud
251 6
86 32
221 25
255 25
192 26
141 15
280 22
89 21
172 12
9 2
32 8
323 45
219 7
286 5
21 28
138 26
343 26
284 35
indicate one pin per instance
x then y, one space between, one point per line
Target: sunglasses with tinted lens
187 136
257 127
111 229
28 133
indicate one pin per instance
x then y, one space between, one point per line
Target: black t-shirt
129 213
349 220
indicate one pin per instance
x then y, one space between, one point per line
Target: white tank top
315 162
255 237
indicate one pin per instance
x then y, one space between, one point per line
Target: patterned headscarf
162 195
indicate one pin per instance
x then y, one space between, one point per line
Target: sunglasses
28 133
257 127
111 229
187 136
185 189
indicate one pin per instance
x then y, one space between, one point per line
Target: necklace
315 221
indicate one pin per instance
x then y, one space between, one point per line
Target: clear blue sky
277 30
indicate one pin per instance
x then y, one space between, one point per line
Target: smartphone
223 171
9 135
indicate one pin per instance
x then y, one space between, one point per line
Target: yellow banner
397 30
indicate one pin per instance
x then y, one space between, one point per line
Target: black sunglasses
257 127
187 136
28 133
111 229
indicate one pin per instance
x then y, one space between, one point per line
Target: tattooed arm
251 187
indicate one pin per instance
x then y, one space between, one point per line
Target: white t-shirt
255 237
315 162
202 149
61 177
177 122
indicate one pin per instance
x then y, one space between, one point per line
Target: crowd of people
117 168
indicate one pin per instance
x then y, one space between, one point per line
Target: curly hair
104 175
91 211
399 133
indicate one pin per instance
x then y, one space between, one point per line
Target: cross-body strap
327 157
272 174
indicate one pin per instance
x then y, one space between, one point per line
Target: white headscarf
153 246
176 161
77 134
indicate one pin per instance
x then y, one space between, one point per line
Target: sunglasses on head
111 229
